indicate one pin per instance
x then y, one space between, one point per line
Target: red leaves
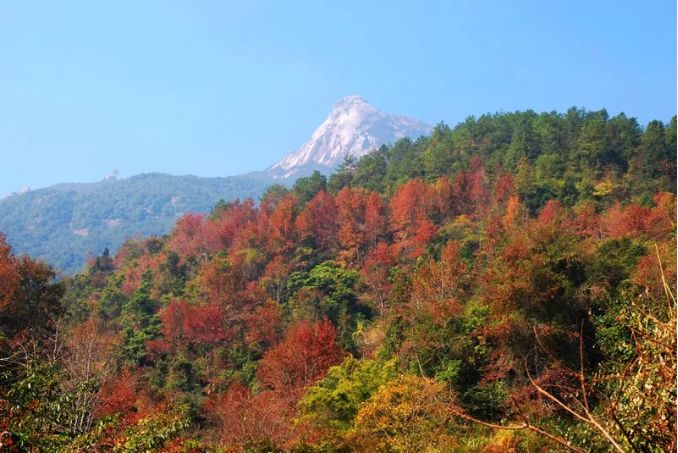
187 239
461 187
242 417
469 189
361 222
422 235
119 396
478 190
438 287
375 274
657 223
186 324
29 295
9 277
263 326
661 222
351 223
220 233
133 275
634 220
194 235
504 188
411 218
375 218
318 221
303 357
409 205
280 226
220 283
586 221
552 213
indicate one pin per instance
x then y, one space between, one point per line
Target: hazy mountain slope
65 223
353 127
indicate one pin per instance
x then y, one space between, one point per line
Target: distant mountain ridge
353 127
66 223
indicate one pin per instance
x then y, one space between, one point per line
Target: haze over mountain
66 223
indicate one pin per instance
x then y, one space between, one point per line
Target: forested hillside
504 285
67 223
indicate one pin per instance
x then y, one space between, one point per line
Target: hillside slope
66 223
497 274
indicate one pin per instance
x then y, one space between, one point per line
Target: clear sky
216 88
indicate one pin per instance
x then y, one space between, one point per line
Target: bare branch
525 425
582 380
588 419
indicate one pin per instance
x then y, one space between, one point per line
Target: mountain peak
350 101
353 127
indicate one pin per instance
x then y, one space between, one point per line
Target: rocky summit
353 128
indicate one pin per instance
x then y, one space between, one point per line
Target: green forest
65 224
506 284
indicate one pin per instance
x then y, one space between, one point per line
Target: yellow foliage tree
406 415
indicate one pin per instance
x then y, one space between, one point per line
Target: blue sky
215 88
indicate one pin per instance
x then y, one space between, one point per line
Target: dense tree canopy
504 285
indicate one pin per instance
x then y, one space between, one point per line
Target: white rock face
353 127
